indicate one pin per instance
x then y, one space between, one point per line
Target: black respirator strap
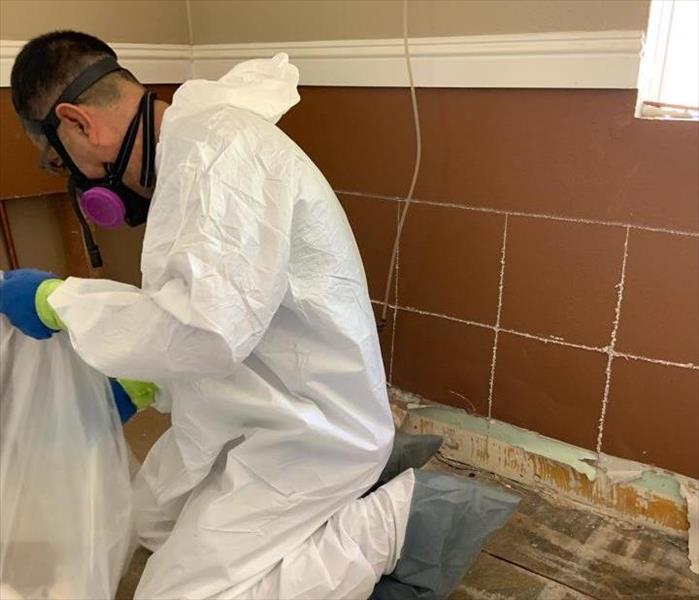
51 134
82 82
49 124
144 115
93 250
122 160
149 142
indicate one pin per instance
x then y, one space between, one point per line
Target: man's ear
75 117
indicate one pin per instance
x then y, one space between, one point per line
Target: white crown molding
150 63
607 59
600 59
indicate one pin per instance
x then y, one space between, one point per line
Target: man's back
253 235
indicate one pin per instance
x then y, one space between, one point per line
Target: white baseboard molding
600 59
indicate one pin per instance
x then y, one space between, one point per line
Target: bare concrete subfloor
553 551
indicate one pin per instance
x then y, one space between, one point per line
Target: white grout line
612 345
501 286
657 361
555 341
427 313
544 216
395 302
538 338
544 340
363 195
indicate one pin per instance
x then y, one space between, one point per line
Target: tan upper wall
231 21
147 21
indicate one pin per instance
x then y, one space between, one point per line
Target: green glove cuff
47 315
142 393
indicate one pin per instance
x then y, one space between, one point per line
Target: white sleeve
215 272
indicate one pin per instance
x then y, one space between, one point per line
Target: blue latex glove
126 408
18 301
131 396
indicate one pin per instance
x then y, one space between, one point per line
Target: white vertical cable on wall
411 191
190 27
392 349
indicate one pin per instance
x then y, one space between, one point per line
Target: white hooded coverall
254 319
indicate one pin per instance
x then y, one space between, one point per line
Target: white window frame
650 77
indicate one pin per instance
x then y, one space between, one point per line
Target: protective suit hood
266 87
254 320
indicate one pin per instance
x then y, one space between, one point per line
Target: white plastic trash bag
65 495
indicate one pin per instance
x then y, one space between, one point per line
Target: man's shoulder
219 142
221 122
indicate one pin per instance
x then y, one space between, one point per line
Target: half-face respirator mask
107 201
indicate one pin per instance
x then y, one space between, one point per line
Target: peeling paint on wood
663 509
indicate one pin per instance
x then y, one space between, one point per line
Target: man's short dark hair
47 64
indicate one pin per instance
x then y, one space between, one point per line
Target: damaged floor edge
617 487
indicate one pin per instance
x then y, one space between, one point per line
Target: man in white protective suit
254 325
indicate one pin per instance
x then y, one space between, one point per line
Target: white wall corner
602 59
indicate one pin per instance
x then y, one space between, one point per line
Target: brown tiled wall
549 270
541 215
